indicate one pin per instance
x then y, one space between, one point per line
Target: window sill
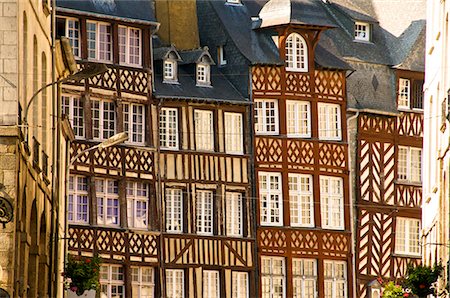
333 228
207 85
173 82
267 133
363 41
303 70
407 182
271 224
406 255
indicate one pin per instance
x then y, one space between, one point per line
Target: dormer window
170 70
296 53
221 59
362 31
203 76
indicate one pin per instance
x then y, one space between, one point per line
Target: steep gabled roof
411 48
162 53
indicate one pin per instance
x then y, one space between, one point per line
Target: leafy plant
81 274
391 290
420 279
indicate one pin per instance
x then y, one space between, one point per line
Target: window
335 279
266 117
103 119
271 199
409 164
298 119
362 31
142 282
78 203
112 281
73 106
332 202
239 281
203 76
272 277
133 120
168 128
301 200
99 40
137 204
170 71
304 273
404 87
296 53
130 45
204 131
221 54
107 193
174 210
234 1
407 234
70 28
233 133
204 212
234 213
329 121
174 283
211 285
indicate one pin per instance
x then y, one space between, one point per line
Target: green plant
81 273
392 290
420 279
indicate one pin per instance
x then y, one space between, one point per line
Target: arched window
296 53
44 102
24 60
35 103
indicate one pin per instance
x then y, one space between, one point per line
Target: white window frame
134 122
301 191
79 200
296 53
203 74
204 130
298 126
73 106
174 288
261 121
234 1
268 213
234 135
142 282
73 34
332 202
362 31
168 128
103 133
272 276
304 272
405 242
204 200
404 93
97 41
125 57
221 52
333 280
170 72
115 280
137 194
234 214
239 284
211 283
329 128
174 210
107 190
409 169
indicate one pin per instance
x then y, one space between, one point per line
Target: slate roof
125 9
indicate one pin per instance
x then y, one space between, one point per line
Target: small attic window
203 74
234 1
362 31
170 68
221 58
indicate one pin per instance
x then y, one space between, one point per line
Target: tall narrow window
211 285
203 75
73 106
103 119
234 213
99 39
137 204
112 281
142 282
25 60
407 236
298 119
204 212
204 131
332 202
130 45
335 279
170 71
239 283
221 59
168 128
404 93
271 199
233 133
296 53
174 210
304 273
73 34
174 283
36 103
329 121
44 101
107 193
301 200
273 276
409 164
78 202
266 116
133 120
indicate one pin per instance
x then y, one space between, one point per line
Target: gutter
372 111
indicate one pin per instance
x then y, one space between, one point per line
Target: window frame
358 31
97 41
201 136
300 194
131 114
174 294
105 196
299 45
297 121
127 53
76 54
201 223
221 59
333 279
171 193
234 205
300 278
329 123
331 195
101 119
208 279
75 202
270 275
404 93
110 282
170 132
205 78
237 284
133 197
411 171
141 283
268 192
70 111
408 248
261 116
234 139
174 77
